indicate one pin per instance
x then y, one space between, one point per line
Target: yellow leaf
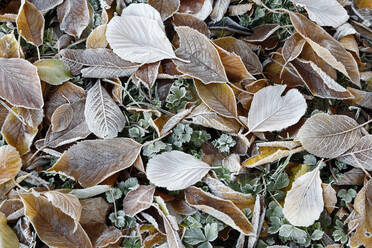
10 163
8 239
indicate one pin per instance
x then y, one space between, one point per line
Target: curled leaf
10 163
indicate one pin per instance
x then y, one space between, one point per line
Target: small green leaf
211 231
293 233
347 195
205 245
53 71
113 194
317 235
194 236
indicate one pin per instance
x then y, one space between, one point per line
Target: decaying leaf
262 32
204 116
271 112
62 117
166 8
97 38
223 210
329 197
138 200
180 19
98 63
321 137
362 151
304 202
53 71
17 134
174 120
326 47
204 61
239 47
46 5
10 163
138 35
218 97
269 154
148 73
292 47
184 169
73 16
91 161
53 226
361 98
94 210
219 189
219 9
9 47
76 130
20 83
103 116
30 23
8 238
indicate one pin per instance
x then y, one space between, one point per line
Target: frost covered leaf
166 8
138 200
219 189
8 238
53 71
363 153
20 83
138 35
9 47
73 16
53 226
180 19
62 117
204 116
205 63
46 5
219 9
18 134
329 136
10 163
239 47
223 210
361 98
103 116
97 38
91 161
269 154
329 197
325 13
148 73
76 130
272 112
218 97
30 23
174 120
304 202
318 81
292 47
326 47
184 169
99 63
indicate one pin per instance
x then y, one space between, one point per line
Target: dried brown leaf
166 8
92 161
97 38
361 98
205 63
362 152
73 17
329 197
62 117
8 239
148 73
138 200
10 163
46 5
180 19
223 210
9 47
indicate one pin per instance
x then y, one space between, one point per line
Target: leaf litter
185 123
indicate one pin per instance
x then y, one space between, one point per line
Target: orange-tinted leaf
218 97
97 38
223 210
52 225
30 24
10 163
92 161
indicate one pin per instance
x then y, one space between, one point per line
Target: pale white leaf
183 169
362 152
272 112
325 13
304 202
219 9
138 35
329 136
103 116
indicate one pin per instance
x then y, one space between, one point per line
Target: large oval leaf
272 112
184 170
20 83
92 161
138 35
204 61
53 71
304 202
329 136
103 116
